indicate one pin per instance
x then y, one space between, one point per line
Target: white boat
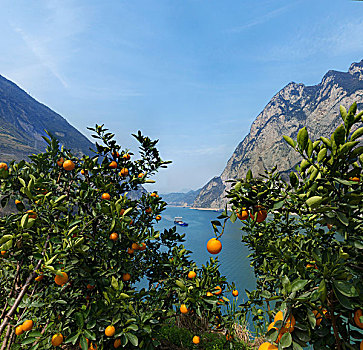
178 220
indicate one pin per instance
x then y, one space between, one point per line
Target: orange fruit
68 165
32 214
122 211
90 286
281 333
124 172
357 314
113 236
148 210
60 280
130 251
135 246
110 331
290 322
318 316
142 246
17 202
19 330
209 294
243 214
57 339
84 172
183 309
60 161
93 347
261 214
27 325
141 175
158 217
218 290
115 154
117 343
361 345
3 166
3 252
267 346
106 196
113 165
229 337
39 278
153 194
235 293
191 274
196 339
126 156
214 246
356 179
126 277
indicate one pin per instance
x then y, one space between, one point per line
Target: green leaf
326 141
83 343
353 108
180 284
314 201
286 340
311 318
298 284
303 165
249 175
293 179
346 288
343 112
133 327
356 134
296 346
338 135
114 283
310 148
133 339
89 334
302 138
322 290
79 319
342 218
290 141
343 300
28 341
322 154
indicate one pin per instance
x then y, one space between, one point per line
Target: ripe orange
267 346
19 330
135 246
130 251
124 172
57 339
330 226
90 286
140 176
356 179
27 325
122 211
61 280
229 337
214 246
209 294
357 314
261 214
243 214
318 316
126 156
32 214
142 246
115 154
93 347
110 331
235 293
126 277
158 217
39 278
117 343
113 236
3 166
106 196
148 210
218 290
196 339
3 252
290 322
60 161
68 165
17 202
113 165
361 345
191 274
183 309
153 194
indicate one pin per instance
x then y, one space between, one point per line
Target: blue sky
192 73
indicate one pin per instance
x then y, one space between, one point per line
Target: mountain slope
293 107
180 199
22 124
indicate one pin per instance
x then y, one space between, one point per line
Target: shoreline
194 208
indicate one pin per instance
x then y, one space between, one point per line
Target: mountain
293 107
22 124
180 199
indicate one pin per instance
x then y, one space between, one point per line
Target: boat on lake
178 220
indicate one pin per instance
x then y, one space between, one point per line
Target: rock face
22 124
180 199
293 107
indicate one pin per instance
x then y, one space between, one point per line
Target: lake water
233 260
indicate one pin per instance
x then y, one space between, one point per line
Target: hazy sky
192 73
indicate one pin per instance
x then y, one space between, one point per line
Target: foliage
307 256
63 224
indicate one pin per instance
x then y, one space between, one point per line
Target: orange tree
74 253
307 255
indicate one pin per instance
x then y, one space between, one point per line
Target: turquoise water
233 260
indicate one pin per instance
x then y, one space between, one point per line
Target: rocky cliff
293 107
22 124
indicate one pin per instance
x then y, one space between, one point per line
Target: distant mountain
22 124
180 199
293 107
